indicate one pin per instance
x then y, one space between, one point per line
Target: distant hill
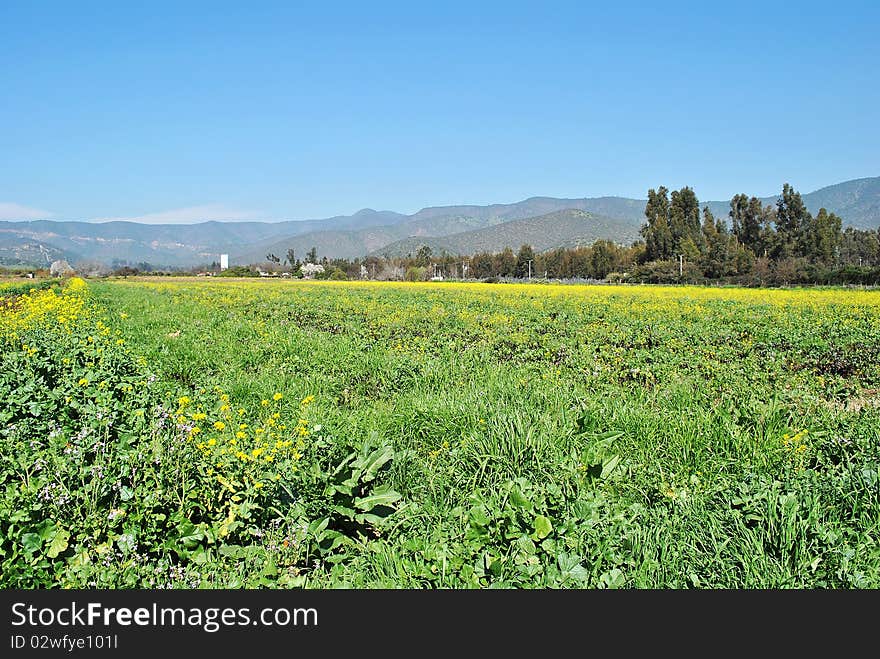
857 201
333 244
560 228
437 222
14 251
173 245
616 207
463 229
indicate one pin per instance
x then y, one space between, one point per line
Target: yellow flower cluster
240 451
432 455
796 447
44 308
795 443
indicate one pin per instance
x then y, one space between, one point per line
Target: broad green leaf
200 556
570 567
613 578
606 438
232 551
609 466
478 516
524 544
127 542
375 461
567 561
380 497
190 536
346 512
580 574
31 542
317 526
369 518
518 499
46 529
542 526
80 558
58 544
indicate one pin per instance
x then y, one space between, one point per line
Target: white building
309 270
224 261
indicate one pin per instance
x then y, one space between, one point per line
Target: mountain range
543 222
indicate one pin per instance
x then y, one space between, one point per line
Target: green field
439 436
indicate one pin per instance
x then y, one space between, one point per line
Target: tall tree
604 257
552 262
684 218
482 265
745 219
823 238
423 256
792 218
523 258
659 244
718 257
505 263
768 239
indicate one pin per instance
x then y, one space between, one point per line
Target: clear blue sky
285 110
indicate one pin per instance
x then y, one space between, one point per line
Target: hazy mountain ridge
14 251
563 227
617 207
352 244
369 231
167 244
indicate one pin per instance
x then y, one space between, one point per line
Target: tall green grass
553 440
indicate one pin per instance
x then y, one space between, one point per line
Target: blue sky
280 110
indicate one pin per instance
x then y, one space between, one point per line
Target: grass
520 436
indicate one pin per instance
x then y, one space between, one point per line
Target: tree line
773 244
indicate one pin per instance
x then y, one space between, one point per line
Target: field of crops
182 433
